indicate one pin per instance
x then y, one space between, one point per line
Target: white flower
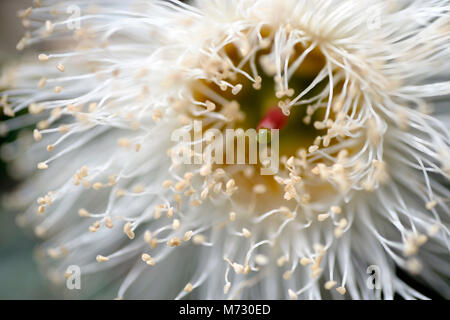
365 161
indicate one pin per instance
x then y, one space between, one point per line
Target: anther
322 217
281 261
330 284
292 295
236 89
83 213
42 82
127 230
42 166
37 135
148 259
336 210
61 67
108 223
199 239
246 233
188 288
176 224
187 236
43 57
49 26
174 242
305 261
287 275
341 290
226 288
431 205
100 259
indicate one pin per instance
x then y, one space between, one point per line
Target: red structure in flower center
274 119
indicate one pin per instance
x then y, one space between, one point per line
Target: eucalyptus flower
358 91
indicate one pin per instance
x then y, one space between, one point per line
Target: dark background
19 275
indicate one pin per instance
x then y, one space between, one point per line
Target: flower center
275 80
256 102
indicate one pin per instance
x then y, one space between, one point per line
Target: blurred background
20 277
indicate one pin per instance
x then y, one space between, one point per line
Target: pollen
292 295
97 186
127 230
281 261
124 142
187 236
431 204
174 242
330 284
198 239
305 261
188 287
43 57
246 233
41 210
37 135
100 259
167 183
226 288
42 166
108 223
61 67
341 290
83 213
336 210
176 224
42 82
148 259
287 275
